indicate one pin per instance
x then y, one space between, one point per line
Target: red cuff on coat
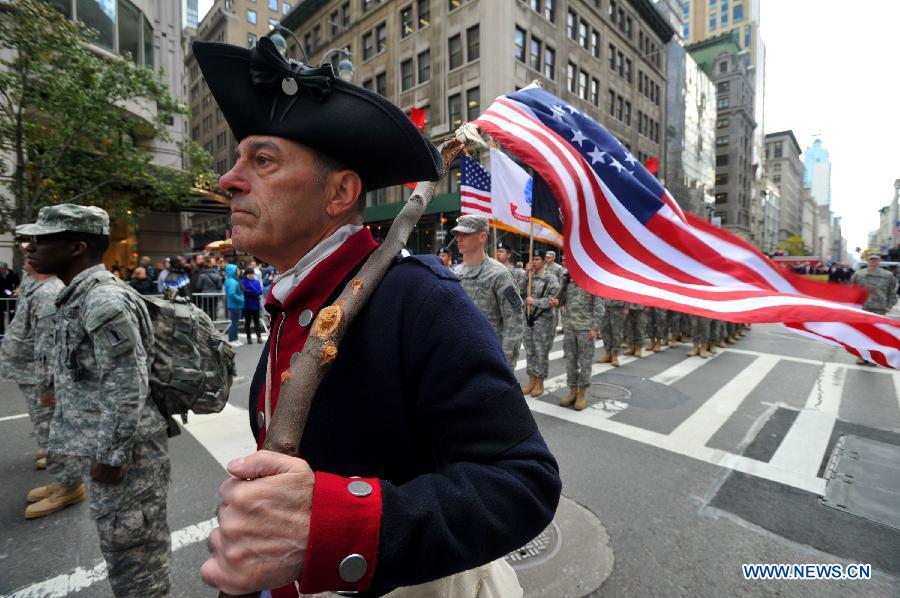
343 534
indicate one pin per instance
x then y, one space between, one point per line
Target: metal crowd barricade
7 311
214 306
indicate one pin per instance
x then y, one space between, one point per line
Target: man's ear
79 248
344 187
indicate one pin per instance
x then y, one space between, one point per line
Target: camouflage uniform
539 336
882 289
658 324
582 314
700 330
105 415
634 325
559 272
612 325
493 290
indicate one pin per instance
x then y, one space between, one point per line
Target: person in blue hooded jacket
234 301
252 292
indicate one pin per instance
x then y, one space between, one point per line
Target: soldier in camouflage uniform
539 327
490 285
700 335
612 328
879 282
105 415
634 329
716 332
658 327
581 321
556 269
504 256
23 359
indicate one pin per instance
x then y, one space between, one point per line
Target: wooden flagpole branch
301 381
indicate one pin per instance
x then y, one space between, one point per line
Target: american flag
626 238
474 188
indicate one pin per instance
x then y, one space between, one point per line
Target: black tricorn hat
261 93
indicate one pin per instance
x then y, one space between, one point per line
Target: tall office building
191 13
451 58
817 174
721 59
784 170
703 19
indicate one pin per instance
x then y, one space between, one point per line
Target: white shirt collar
290 280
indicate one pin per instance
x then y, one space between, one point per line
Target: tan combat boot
711 347
530 386
703 352
61 498
695 351
615 360
538 389
672 341
40 463
605 358
42 492
722 344
654 347
570 398
581 401
636 351
860 361
629 350
658 346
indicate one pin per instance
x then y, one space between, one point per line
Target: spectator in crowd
252 292
9 284
267 278
206 289
234 301
149 268
177 278
196 265
256 269
163 274
142 283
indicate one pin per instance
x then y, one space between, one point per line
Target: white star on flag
615 164
558 111
572 109
597 156
578 138
630 159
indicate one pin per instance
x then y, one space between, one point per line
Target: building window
473 43
723 87
406 75
100 16
368 4
381 38
424 61
273 5
473 103
285 8
724 18
776 178
550 10
685 31
381 84
721 198
549 63
453 5
611 99
534 55
367 84
627 114
570 77
722 103
746 36
571 18
423 9
583 34
722 123
595 43
368 48
130 31
595 92
620 107
722 140
779 149
251 16
345 15
722 160
251 40
723 67
628 70
520 44
712 22
611 54
583 85
454 51
454 111
406 25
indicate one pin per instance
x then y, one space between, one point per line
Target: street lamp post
345 67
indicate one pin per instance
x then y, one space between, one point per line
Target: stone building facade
784 170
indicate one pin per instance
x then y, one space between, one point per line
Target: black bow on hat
269 70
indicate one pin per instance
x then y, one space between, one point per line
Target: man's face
445 257
549 259
537 262
874 262
277 200
503 256
469 242
50 254
145 261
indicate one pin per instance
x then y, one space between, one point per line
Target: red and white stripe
474 201
677 261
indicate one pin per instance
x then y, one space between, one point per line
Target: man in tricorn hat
104 413
419 403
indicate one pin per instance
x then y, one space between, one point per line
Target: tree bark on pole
301 381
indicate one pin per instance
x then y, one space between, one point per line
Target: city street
693 466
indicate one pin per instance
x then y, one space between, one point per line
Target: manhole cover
611 398
540 550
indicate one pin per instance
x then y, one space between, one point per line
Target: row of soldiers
551 297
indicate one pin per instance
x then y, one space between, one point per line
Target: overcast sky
832 71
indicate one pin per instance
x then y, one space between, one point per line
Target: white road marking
712 414
10 417
226 435
83 577
679 370
804 445
600 421
819 362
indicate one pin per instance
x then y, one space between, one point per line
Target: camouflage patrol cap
67 218
470 223
871 253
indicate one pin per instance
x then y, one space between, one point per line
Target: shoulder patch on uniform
512 295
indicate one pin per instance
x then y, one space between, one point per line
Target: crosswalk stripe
804 445
679 370
226 435
710 416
